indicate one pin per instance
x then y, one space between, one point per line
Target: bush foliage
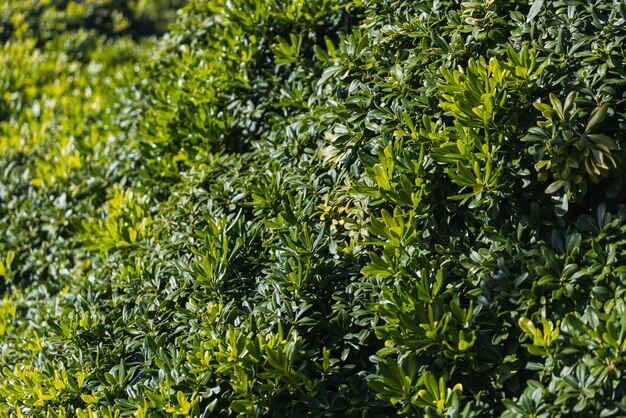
322 207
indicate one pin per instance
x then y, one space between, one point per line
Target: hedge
320 208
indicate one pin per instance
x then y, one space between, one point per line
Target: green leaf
555 186
597 117
534 10
527 326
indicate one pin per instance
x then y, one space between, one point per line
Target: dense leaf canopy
312 207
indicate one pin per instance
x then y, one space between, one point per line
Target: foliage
324 207
46 20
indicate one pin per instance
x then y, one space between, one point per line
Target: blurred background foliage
47 19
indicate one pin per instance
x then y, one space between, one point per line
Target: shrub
330 207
